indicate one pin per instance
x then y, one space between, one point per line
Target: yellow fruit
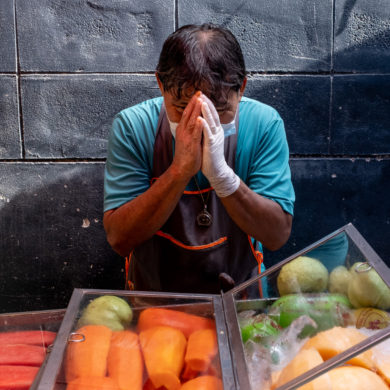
331 342
304 361
371 318
355 378
367 289
303 274
339 280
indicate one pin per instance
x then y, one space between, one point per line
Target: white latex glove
214 166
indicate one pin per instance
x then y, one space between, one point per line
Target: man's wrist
226 184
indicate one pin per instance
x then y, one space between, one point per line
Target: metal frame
31 318
230 305
53 366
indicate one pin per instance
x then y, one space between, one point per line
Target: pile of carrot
21 355
170 350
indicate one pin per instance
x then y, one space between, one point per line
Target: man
195 180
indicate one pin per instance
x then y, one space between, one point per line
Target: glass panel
25 340
311 308
142 343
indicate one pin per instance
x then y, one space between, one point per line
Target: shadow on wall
52 239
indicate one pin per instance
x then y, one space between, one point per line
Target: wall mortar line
19 89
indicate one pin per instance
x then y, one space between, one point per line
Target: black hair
203 57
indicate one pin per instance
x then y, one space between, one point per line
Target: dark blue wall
66 67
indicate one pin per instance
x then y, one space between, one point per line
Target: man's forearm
259 217
137 220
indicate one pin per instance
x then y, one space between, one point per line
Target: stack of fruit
167 349
21 355
337 304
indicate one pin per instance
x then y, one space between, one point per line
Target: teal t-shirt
262 155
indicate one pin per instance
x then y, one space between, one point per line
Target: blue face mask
229 128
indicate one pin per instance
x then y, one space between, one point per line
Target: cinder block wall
66 67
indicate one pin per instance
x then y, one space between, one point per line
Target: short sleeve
269 173
262 159
128 164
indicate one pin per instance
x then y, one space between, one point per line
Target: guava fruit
367 288
339 279
108 310
303 274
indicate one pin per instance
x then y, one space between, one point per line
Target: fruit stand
319 318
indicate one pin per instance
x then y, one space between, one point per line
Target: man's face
175 107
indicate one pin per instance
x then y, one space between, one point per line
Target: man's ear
242 88
159 83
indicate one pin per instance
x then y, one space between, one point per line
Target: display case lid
321 307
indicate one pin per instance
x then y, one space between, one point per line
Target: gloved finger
209 117
207 134
213 111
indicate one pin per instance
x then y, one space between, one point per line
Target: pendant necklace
203 218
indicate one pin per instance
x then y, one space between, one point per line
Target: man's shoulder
251 108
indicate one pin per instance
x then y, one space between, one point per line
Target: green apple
108 310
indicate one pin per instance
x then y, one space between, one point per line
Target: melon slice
382 365
336 340
356 378
305 360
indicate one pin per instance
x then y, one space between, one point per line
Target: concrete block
333 192
92 35
10 146
51 235
303 103
361 115
362 36
8 37
279 35
70 116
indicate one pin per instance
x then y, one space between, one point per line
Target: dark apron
185 257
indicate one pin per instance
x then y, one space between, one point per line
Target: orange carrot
88 357
125 362
149 386
206 382
163 349
93 383
185 322
201 348
188 373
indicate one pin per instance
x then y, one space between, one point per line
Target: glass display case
324 307
146 340
318 317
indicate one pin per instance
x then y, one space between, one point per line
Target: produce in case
319 313
108 310
160 348
24 342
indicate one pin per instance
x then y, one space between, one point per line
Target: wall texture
66 68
